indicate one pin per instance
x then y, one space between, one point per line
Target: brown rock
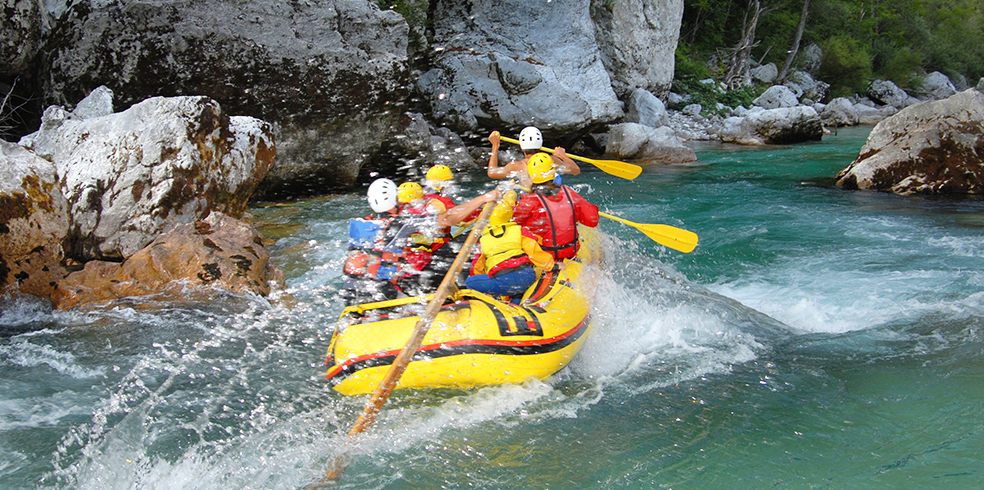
33 223
193 261
934 147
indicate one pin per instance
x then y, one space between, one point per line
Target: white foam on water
23 353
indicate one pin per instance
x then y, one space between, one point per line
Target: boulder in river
934 147
643 144
133 175
773 126
194 260
33 222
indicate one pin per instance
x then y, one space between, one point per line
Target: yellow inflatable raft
475 340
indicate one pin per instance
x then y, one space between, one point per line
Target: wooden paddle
624 170
399 365
670 236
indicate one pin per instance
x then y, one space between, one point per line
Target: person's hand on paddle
567 165
492 196
494 139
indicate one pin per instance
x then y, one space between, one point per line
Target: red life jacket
419 251
562 239
443 235
369 255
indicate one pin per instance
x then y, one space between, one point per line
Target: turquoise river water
816 338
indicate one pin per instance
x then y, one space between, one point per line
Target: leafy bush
846 66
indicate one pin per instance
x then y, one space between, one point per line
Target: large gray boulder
934 147
806 87
773 126
764 74
937 86
328 75
638 41
775 97
505 65
130 176
647 145
645 108
33 222
839 112
887 93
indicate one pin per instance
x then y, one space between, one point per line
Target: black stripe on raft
518 349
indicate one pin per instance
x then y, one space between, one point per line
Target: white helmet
382 195
530 138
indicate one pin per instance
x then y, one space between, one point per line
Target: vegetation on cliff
897 40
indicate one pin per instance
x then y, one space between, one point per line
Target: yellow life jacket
500 243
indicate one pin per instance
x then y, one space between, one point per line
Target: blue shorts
513 283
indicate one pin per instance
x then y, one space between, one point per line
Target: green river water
816 338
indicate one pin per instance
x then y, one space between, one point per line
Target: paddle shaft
396 370
676 238
624 170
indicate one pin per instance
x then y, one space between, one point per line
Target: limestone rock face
33 222
934 147
193 261
133 175
327 74
643 144
20 38
638 42
517 63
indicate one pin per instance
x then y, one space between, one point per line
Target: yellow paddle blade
669 236
624 170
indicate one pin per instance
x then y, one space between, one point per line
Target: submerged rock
193 261
934 147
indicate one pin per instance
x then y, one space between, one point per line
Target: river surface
816 338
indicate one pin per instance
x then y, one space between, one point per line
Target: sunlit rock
33 223
132 175
934 147
937 86
773 126
840 112
775 97
194 261
643 144
886 92
330 76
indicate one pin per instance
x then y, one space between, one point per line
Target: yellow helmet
409 191
503 211
437 175
540 168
